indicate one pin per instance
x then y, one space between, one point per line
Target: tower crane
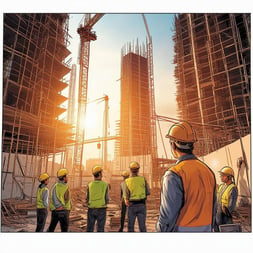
152 97
86 35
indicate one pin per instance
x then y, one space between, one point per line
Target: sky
114 30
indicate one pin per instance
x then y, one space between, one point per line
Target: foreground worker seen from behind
135 194
188 194
97 198
42 202
226 197
60 202
125 174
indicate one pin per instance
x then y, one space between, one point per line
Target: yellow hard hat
227 171
43 177
134 165
96 169
125 173
62 172
182 132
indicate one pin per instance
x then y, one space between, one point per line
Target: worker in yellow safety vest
42 202
226 197
135 194
97 197
60 202
125 174
188 194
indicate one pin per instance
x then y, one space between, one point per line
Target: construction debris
14 220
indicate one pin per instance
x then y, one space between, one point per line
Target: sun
91 121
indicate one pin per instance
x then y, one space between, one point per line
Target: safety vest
198 183
97 192
223 193
137 188
60 189
40 191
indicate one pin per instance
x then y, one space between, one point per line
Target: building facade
212 58
34 65
135 128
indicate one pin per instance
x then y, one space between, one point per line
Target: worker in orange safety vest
188 194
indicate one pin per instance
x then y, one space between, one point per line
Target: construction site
212 73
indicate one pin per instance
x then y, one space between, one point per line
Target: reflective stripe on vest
60 190
199 184
97 192
137 188
225 191
40 203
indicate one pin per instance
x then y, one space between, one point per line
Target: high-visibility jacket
60 189
199 185
97 191
40 201
224 193
137 187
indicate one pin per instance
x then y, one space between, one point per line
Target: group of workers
60 202
190 201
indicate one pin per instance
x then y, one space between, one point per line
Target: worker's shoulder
173 170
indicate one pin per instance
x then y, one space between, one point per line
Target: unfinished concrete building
135 127
212 57
33 137
135 110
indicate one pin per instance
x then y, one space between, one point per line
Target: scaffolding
34 139
212 57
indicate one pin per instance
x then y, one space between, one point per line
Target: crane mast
152 97
86 35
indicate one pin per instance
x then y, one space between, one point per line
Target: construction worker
60 202
226 197
125 174
135 193
97 198
42 202
188 194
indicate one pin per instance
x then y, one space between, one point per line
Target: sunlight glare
91 122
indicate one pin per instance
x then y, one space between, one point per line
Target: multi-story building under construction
135 126
34 64
212 57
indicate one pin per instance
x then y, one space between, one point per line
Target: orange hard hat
182 132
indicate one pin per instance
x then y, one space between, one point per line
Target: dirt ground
24 220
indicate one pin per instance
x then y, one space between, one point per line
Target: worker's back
199 186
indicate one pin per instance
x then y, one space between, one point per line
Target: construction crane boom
91 22
146 26
86 35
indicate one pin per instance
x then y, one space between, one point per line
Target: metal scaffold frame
212 57
35 49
